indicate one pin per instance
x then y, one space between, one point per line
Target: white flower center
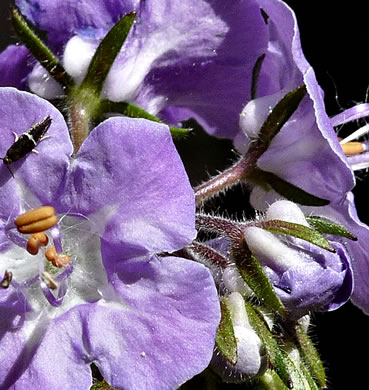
83 280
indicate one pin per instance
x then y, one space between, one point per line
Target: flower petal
142 184
39 348
65 18
14 66
40 174
168 311
345 214
213 87
173 313
301 149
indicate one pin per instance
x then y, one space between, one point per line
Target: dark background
335 41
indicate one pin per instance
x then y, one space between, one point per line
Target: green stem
245 167
39 50
237 173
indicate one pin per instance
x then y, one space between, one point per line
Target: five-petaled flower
104 295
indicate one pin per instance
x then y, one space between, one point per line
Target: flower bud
251 354
305 276
252 118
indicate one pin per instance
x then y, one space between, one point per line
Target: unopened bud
251 355
306 275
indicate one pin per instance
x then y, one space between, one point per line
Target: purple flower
306 152
182 59
146 321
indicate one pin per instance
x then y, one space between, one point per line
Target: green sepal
327 227
106 54
275 355
133 111
299 231
225 339
270 381
27 34
288 190
280 115
301 377
253 274
310 356
308 377
298 379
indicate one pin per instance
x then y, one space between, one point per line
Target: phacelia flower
306 152
87 285
182 59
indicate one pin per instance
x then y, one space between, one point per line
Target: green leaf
275 355
106 53
299 231
311 356
253 274
39 50
280 115
133 111
288 190
328 227
225 338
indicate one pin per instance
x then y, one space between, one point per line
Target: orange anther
34 243
352 148
32 246
34 215
39 226
42 238
58 260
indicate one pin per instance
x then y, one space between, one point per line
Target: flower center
45 273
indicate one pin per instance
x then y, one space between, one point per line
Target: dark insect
26 142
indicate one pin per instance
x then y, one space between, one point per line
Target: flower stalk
39 50
244 169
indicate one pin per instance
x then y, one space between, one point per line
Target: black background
335 41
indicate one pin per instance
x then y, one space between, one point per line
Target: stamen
58 260
353 148
8 276
49 280
36 221
56 235
356 134
34 243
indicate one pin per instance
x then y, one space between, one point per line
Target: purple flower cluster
125 300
